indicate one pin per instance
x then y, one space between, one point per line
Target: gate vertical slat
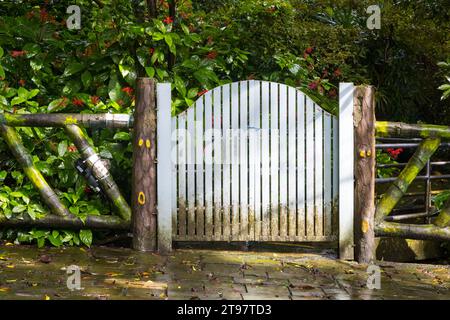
335 153
310 179
318 171
217 126
265 169
274 160
235 161
283 212
209 165
174 162
292 166
327 173
199 160
182 162
301 144
226 191
191 173
254 161
243 157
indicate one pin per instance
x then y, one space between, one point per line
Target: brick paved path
111 273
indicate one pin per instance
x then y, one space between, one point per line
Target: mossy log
399 187
52 221
105 120
406 130
412 231
26 161
99 171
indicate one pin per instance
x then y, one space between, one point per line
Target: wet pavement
116 273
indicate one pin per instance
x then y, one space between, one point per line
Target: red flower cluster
151 51
128 91
212 55
87 190
168 20
71 148
202 93
77 102
313 85
95 99
17 53
337 73
394 153
22 82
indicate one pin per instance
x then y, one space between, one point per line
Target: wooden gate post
165 167
365 158
346 171
143 194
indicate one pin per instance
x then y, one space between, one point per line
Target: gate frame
345 163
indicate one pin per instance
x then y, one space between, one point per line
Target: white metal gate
254 162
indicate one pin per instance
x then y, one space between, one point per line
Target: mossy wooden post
99 170
364 122
399 187
143 201
25 160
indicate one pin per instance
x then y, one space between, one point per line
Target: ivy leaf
86 237
2 73
62 148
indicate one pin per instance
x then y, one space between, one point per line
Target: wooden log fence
344 149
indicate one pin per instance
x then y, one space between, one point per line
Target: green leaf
168 39
71 88
122 136
2 73
3 175
16 194
86 78
19 208
32 49
57 105
32 93
179 85
150 72
40 242
1 52
62 148
86 237
31 213
17 100
22 93
114 88
192 93
54 241
72 69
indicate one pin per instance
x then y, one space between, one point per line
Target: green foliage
445 87
312 45
385 158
